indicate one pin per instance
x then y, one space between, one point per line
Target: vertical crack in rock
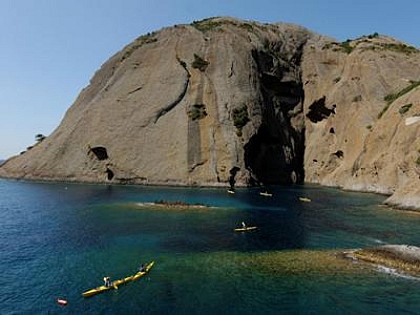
194 144
194 154
233 171
274 155
213 154
109 174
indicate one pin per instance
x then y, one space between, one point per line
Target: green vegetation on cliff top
390 98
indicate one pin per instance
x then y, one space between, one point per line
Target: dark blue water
58 240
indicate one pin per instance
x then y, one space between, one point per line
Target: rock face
362 101
200 104
227 101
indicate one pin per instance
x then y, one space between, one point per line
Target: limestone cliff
363 108
196 104
224 101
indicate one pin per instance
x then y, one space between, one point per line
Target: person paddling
107 281
142 268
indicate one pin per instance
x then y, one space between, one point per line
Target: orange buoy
62 302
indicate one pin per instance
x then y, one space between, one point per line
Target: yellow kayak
244 229
115 284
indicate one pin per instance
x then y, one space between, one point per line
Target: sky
50 49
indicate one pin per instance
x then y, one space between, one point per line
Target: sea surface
59 240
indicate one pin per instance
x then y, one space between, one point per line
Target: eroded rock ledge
404 258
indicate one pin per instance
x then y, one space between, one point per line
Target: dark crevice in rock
184 65
135 90
272 160
318 111
201 163
274 155
179 98
339 154
100 153
232 71
290 94
270 82
332 130
109 174
233 171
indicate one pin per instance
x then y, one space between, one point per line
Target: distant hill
223 102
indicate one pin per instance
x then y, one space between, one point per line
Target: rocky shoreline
403 258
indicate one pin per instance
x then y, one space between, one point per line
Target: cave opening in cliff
109 174
272 161
318 111
100 153
275 154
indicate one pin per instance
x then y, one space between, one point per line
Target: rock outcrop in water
227 101
403 258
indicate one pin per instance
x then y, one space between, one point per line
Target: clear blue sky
49 49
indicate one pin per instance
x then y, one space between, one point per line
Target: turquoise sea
58 240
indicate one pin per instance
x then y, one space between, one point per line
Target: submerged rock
404 258
178 205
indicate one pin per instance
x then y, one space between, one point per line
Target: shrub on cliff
240 117
390 98
199 63
405 108
40 137
197 111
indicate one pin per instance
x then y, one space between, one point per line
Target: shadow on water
279 225
283 221
93 216
275 231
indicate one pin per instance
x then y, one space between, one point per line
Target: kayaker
142 268
107 281
243 225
